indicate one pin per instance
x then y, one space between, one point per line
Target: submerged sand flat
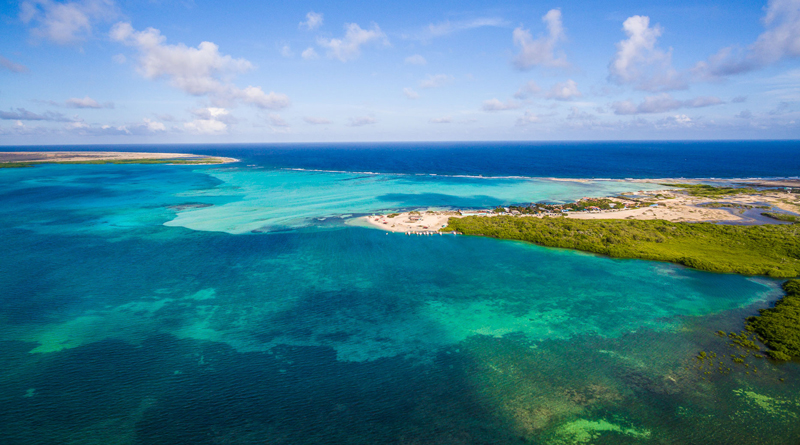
90 156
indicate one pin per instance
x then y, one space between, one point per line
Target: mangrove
772 250
779 327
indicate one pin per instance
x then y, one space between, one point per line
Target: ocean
241 304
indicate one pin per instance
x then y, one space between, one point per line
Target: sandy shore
669 205
425 221
88 156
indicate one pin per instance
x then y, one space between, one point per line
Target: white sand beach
668 205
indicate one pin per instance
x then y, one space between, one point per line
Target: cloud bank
196 71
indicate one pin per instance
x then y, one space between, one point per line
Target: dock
431 232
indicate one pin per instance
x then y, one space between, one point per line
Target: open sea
242 304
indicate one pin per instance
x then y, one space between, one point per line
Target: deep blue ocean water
656 159
237 304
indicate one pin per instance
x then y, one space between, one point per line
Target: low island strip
30 158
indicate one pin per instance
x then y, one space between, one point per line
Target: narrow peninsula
728 228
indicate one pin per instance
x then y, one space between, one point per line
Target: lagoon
233 304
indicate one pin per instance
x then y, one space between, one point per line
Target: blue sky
104 71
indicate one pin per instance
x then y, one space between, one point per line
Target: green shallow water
138 308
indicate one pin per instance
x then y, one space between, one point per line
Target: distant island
30 158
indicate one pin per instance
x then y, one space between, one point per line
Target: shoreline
673 205
25 158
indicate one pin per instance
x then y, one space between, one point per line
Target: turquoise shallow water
270 200
173 304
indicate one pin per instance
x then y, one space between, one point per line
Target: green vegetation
782 217
745 340
779 327
583 204
772 250
15 164
710 191
392 215
717 205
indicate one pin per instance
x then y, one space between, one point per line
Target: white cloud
86 102
153 126
286 51
640 63
256 96
196 71
309 54
349 47
448 27
206 126
411 94
361 121
416 59
316 120
780 40
662 103
442 120
277 121
313 21
11 66
119 58
66 23
678 120
214 113
145 127
542 50
529 89
211 121
436 81
496 105
564 91
193 70
85 129
527 118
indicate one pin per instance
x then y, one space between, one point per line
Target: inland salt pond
235 304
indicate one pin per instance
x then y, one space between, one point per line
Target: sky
194 71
